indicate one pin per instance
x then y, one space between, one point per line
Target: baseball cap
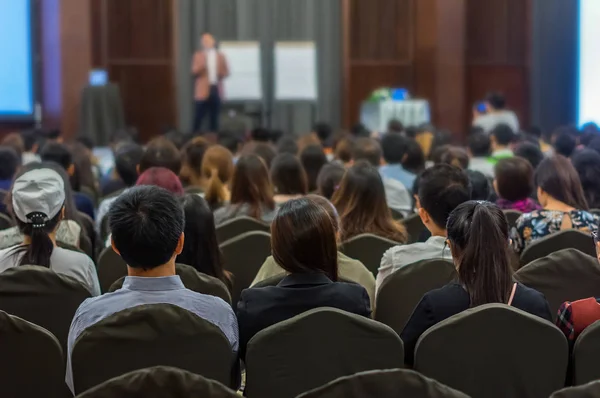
38 196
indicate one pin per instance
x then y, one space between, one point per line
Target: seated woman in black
303 241
478 239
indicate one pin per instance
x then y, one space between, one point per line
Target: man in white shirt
495 114
479 152
209 67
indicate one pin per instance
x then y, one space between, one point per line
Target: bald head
208 41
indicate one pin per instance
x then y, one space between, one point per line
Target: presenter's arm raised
198 64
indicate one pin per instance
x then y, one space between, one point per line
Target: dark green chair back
568 239
368 249
235 227
414 226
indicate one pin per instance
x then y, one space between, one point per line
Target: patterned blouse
540 223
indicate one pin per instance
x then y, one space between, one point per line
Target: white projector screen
588 96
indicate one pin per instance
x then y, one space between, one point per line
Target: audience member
396 194
343 150
147 225
395 126
313 158
161 152
287 145
176 137
264 151
124 174
496 114
479 242
251 192
329 179
441 189
217 171
276 135
395 151
162 178
83 176
14 141
324 133
480 185
9 164
38 206
455 156
360 201
565 144
480 151
31 146
514 185
289 178
563 203
530 152
260 134
414 161
303 241
587 164
501 139
201 248
192 158
231 141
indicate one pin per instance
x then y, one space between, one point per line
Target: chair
396 215
87 225
566 275
368 249
193 280
33 364
414 226
585 355
159 381
43 297
314 348
384 384
239 225
568 239
403 289
111 268
512 216
151 335
244 255
5 222
590 390
495 351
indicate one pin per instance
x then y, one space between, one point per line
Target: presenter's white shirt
211 60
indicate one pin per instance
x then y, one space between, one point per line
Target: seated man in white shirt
441 189
495 114
147 226
479 151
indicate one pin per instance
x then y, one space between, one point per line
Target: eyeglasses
595 237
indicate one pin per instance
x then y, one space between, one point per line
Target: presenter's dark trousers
212 106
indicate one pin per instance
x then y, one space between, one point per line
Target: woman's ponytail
39 250
215 191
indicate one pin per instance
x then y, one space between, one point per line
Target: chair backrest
315 348
239 225
43 297
567 239
244 255
368 249
414 226
384 384
403 289
512 216
193 280
150 335
494 350
159 381
396 215
585 355
33 364
5 222
590 390
111 268
566 275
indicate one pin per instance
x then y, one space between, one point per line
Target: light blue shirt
138 291
398 173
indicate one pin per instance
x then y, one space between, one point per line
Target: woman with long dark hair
587 164
38 206
201 249
289 178
479 242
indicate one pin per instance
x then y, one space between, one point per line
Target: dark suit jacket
260 308
452 299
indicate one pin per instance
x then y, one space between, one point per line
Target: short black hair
161 152
414 161
480 185
394 148
9 163
30 138
127 158
479 144
229 140
441 189
367 149
565 144
531 152
395 126
146 223
496 100
57 153
504 134
260 134
360 131
514 178
323 131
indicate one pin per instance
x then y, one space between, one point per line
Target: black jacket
260 308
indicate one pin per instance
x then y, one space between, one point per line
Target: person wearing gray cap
38 202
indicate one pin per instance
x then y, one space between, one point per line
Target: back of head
193 155
260 134
251 185
146 224
313 159
565 144
230 140
532 153
503 134
329 208
127 159
343 149
303 239
441 189
479 145
480 185
163 178
217 169
329 179
455 156
30 139
264 151
323 132
479 241
587 164
287 145
161 152
288 175
57 153
361 203
177 138
557 177
514 179
360 131
9 163
394 148
83 175
395 126
496 100
414 160
367 149
14 141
